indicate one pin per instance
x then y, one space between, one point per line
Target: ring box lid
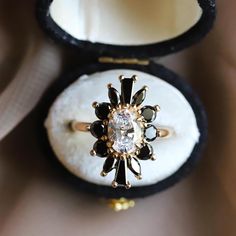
127 28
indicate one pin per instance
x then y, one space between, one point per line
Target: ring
124 131
163 132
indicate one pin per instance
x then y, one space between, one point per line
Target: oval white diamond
124 131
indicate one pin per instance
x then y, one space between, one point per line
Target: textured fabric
37 63
39 66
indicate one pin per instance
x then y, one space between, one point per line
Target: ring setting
124 131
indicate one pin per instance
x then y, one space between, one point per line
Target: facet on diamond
124 131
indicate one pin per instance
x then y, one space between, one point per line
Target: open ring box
124 35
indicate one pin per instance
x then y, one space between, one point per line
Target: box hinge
130 61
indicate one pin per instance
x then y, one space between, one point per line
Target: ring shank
163 132
80 126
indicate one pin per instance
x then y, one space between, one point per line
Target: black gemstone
139 97
146 152
126 90
100 148
108 164
120 177
98 129
149 113
114 96
102 110
134 165
150 133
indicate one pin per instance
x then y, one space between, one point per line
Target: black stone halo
124 131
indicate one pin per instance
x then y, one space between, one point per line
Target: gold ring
162 132
124 131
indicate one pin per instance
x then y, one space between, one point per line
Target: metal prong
137 151
157 107
140 119
129 155
135 78
128 185
139 177
71 125
103 174
95 104
145 87
110 150
109 85
104 138
145 125
153 158
114 184
105 122
121 77
116 155
109 144
93 153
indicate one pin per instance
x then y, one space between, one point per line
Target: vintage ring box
124 35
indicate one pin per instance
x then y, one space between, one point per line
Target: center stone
124 131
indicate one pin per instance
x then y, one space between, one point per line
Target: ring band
124 131
163 132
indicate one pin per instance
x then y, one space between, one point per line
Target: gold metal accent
121 77
120 204
115 155
139 177
109 144
163 132
153 158
104 138
105 122
114 184
157 107
109 85
140 119
103 174
95 104
135 78
137 151
93 153
129 61
145 87
79 126
128 185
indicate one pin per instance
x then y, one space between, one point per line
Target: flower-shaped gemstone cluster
124 131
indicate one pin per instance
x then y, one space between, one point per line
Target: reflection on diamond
125 131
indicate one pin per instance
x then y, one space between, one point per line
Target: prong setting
93 153
157 107
114 184
95 104
124 118
121 77
109 86
135 78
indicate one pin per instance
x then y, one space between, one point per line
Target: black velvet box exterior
95 50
